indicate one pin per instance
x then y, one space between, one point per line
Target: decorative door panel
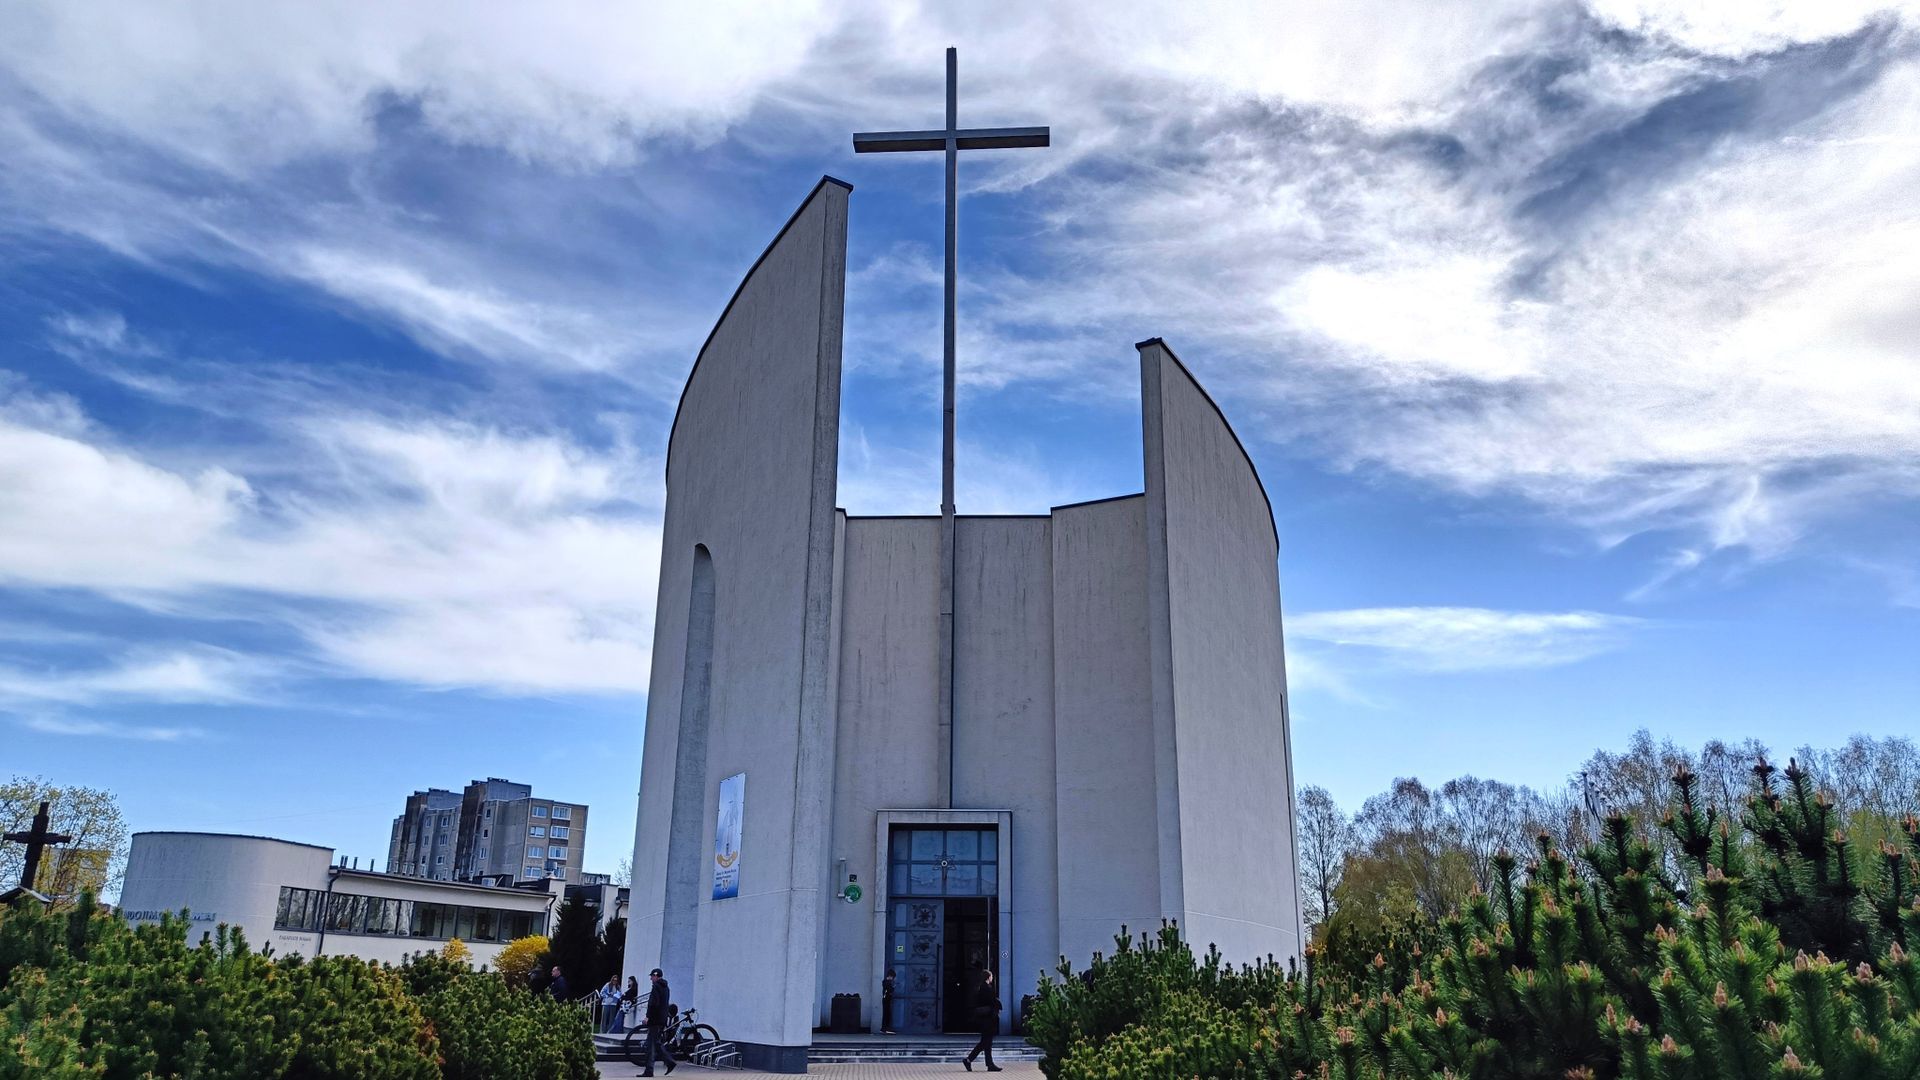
918 932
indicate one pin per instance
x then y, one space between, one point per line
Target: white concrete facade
241 881
1120 715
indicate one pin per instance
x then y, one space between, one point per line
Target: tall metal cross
35 839
952 139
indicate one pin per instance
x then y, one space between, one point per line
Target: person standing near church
657 1005
986 1013
607 1004
630 1002
886 1004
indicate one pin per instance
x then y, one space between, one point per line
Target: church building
850 768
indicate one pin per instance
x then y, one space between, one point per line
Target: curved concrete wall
1224 768
1109 859
221 879
232 879
751 477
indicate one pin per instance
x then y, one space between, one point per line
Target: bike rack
717 1054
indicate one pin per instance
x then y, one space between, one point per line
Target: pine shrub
489 1030
113 1001
85 995
1768 946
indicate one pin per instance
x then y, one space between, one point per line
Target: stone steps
870 1051
929 1051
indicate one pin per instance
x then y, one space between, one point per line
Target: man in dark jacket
657 1006
558 987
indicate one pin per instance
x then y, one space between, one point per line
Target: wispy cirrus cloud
430 551
1446 640
1643 267
108 729
192 676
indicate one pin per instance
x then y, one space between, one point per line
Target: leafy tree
90 863
457 951
521 958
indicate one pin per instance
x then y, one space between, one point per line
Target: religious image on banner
726 837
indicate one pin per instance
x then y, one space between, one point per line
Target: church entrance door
943 885
969 950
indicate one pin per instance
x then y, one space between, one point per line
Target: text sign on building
726 837
155 916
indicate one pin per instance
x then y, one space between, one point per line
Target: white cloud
197 676
1459 639
1340 208
107 729
435 552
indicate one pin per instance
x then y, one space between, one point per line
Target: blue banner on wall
726 837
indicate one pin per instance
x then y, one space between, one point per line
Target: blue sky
1578 345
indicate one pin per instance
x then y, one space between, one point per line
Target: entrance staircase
866 1049
911 1049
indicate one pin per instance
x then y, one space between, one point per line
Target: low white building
297 899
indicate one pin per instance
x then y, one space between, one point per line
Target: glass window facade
563 813
944 862
349 913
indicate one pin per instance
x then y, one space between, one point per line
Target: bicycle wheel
635 1046
691 1038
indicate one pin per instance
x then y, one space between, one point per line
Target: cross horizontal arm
31 837
893 142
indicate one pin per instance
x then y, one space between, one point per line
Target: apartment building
495 831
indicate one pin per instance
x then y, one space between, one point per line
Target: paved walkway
620 1069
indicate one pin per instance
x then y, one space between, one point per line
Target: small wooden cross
36 838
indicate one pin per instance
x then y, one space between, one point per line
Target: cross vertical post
35 838
951 141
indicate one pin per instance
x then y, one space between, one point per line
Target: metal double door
917 939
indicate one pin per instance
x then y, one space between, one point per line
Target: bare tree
1486 818
1879 778
1408 829
1326 839
1726 773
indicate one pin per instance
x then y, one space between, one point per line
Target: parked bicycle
683 1035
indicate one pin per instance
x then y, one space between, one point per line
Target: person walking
886 1004
558 987
657 1006
986 1013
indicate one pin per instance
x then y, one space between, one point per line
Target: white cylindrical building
294 898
